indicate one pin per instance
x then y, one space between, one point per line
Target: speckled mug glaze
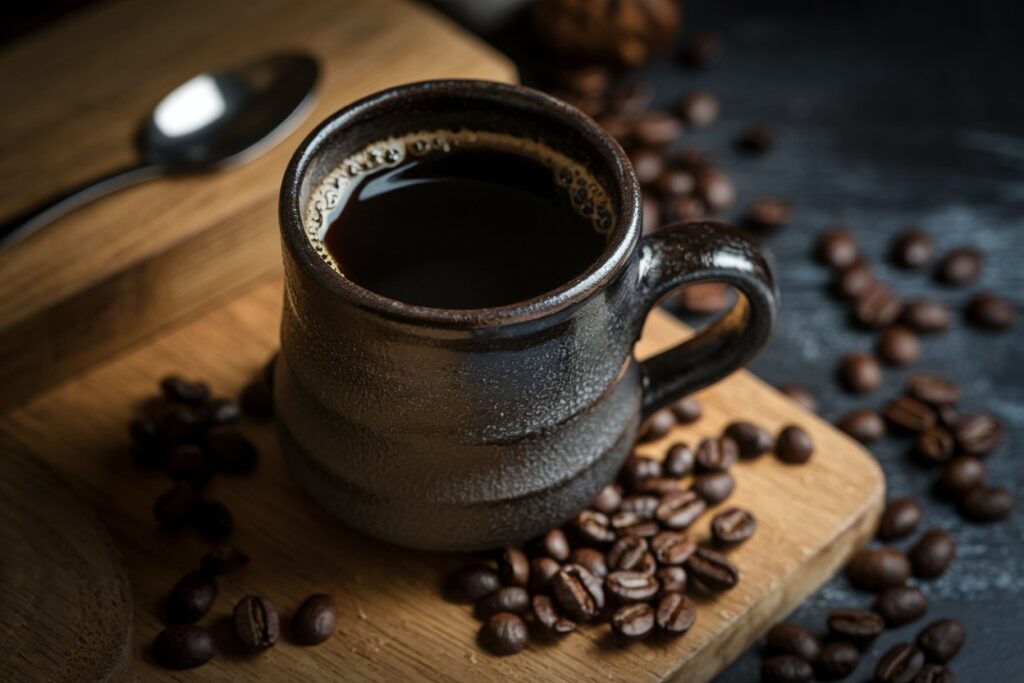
462 430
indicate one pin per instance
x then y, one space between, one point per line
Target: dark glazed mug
453 429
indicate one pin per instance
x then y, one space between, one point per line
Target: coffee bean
877 306
177 389
222 561
837 248
786 669
933 553
255 621
934 673
768 215
633 621
752 440
876 569
987 503
714 487
651 214
648 164
541 571
218 412
257 401
936 444
948 417
546 615
506 599
960 267
687 410
704 298
578 592
672 548
672 579
787 638
925 316
676 613
314 621
589 81
555 545
978 434
898 346
609 500
679 461
631 99
732 526
910 415
990 310
626 553
900 605
187 462
629 586
594 527
794 445
471 583
801 396
941 640
687 208
657 425
183 646
591 559
701 50
176 508
145 431
655 129
961 475
856 625
647 565
932 389
900 664
231 452
698 109
514 567
866 426
213 520
913 249
716 189
756 139
504 634
657 486
851 282
675 182
191 598
637 468
643 506
836 661
716 455
180 424
901 518
712 570
860 373
679 509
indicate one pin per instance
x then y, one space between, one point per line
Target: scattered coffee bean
628 586
752 440
704 298
639 468
900 605
901 518
913 249
594 527
633 621
655 129
687 209
990 310
960 267
978 434
716 189
786 669
794 445
314 621
589 81
644 506
631 98
657 425
860 373
925 316
987 503
876 569
541 571
676 613
578 592
223 560
679 509
177 389
191 598
180 424
506 599
960 475
714 487
717 455
900 664
176 508
675 182
732 526
768 214
898 346
546 614
855 625
687 410
188 462
218 412
933 553
866 426
183 646
590 559
712 570
256 624
851 282
941 640
838 248
672 548
556 545
948 417
231 452
936 444
910 415
932 389
836 661
701 50
626 553
514 567
257 401
756 139
679 461
801 396
787 638
934 673
672 579
877 306
213 520
699 109
504 634
648 164
471 583
609 500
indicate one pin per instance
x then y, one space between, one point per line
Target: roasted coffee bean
672 579
546 615
588 81
948 417
506 599
591 559
877 306
712 570
978 434
256 624
852 281
648 164
176 508
836 661
191 598
651 214
768 215
657 425
961 475
801 396
901 518
794 445
314 621
679 461
732 526
787 638
716 455
925 316
656 129
756 139
910 415
898 346
594 527
933 553
213 520
960 267
183 646
786 669
231 452
876 569
716 189
633 621
676 613
856 625
514 567
866 426
471 583
629 586
714 487
180 424
578 592
698 109
934 673
990 310
913 249
860 373
257 401
609 500
672 547
900 664
631 99
687 410
704 298
643 506
658 486
838 248
679 509
638 468
675 182
932 389
188 462
936 444
626 553
177 389
504 634
222 561
541 571
632 524
647 565
987 503
701 50
941 640
145 432
218 412
555 544
752 440
900 605
687 208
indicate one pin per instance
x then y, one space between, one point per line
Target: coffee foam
588 197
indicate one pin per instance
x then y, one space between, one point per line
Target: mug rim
612 260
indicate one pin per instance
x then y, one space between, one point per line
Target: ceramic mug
452 429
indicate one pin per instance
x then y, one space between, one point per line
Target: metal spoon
212 121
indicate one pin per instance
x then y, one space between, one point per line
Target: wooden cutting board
393 624
111 273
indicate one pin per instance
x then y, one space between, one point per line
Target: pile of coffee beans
627 559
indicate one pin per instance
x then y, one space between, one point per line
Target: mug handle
704 251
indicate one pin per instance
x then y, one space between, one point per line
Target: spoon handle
22 226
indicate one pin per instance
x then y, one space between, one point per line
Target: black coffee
467 228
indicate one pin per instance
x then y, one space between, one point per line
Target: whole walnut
619 32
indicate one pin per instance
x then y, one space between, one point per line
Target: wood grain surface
393 624
112 272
